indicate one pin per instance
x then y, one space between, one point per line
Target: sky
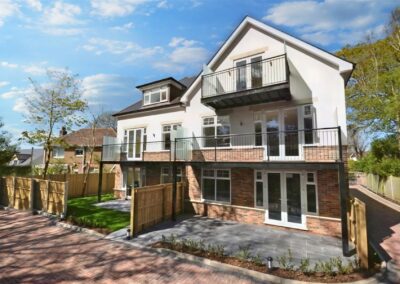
115 45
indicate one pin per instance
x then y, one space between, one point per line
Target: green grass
82 212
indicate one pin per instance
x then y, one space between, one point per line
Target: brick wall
157 156
76 162
328 193
242 187
323 226
321 153
193 176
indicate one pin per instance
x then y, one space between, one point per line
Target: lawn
83 212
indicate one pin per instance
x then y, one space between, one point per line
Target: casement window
166 175
156 95
166 134
311 188
308 121
58 152
216 185
216 131
259 190
258 133
79 152
128 140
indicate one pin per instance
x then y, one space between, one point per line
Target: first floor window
258 133
308 120
166 135
79 152
311 193
58 152
216 185
216 131
259 190
166 175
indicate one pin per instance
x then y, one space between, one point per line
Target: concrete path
118 205
32 250
263 240
383 223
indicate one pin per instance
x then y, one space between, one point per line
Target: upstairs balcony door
249 73
135 143
282 141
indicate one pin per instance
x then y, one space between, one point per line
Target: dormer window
156 95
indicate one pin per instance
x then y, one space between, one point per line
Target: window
216 131
241 75
308 124
259 190
156 95
166 135
79 152
128 140
125 143
58 152
166 175
258 134
256 72
311 193
216 185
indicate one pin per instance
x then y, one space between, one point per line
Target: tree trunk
46 163
87 172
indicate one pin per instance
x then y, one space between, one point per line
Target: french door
135 143
284 196
282 141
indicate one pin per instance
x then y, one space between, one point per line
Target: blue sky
115 45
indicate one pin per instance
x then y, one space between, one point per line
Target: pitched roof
83 136
161 80
24 156
138 106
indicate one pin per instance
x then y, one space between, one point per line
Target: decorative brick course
321 153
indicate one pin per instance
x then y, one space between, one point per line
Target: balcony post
174 185
99 190
340 144
215 149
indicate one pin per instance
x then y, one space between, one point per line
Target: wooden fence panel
388 187
22 193
153 204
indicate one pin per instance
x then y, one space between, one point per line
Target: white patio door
283 140
135 143
285 195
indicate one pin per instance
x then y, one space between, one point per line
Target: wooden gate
357 225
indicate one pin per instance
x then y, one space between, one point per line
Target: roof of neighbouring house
24 157
84 136
138 106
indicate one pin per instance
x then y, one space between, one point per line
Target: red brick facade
328 193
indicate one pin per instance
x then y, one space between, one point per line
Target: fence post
343 208
13 187
133 225
47 196
1 190
65 199
163 202
32 195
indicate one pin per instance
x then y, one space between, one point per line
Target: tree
7 149
373 95
105 120
54 105
357 141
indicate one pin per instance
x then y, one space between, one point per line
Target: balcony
311 145
254 83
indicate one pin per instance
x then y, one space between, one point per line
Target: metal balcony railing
267 72
309 145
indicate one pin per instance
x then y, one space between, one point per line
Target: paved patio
118 204
263 240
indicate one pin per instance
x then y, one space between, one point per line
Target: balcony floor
265 94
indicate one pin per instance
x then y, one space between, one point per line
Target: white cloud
185 53
4 83
62 14
322 21
34 70
20 106
7 9
125 27
129 49
8 64
114 8
164 4
34 4
15 92
62 31
103 88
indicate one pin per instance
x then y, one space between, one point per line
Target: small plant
286 261
327 267
217 250
243 253
305 266
257 260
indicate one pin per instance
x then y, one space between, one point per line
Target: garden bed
332 271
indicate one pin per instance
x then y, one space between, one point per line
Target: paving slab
118 205
260 239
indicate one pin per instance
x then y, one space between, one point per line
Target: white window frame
215 124
80 155
56 153
248 69
171 128
215 177
125 142
316 193
149 93
255 189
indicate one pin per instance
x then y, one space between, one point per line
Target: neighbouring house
74 153
259 136
27 158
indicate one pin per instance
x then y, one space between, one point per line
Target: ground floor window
311 188
259 199
166 175
216 185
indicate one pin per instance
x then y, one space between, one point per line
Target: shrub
305 266
286 261
243 253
